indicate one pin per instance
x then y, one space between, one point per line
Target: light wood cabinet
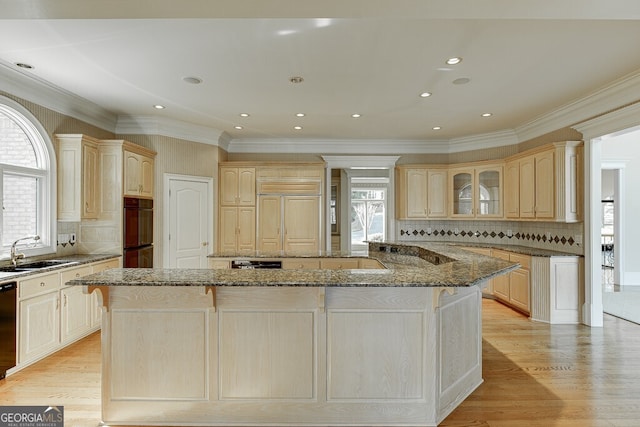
237 186
75 316
476 192
237 229
51 314
512 189
422 193
78 177
514 288
549 183
39 330
289 223
138 172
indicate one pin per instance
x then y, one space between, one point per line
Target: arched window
27 181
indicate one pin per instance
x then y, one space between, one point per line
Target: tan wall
176 156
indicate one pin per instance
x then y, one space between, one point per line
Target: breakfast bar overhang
397 346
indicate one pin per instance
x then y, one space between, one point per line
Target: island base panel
298 355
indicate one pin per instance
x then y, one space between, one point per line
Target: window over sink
27 181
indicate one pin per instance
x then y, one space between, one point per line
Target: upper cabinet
92 175
476 192
138 171
237 186
421 192
542 184
78 177
547 183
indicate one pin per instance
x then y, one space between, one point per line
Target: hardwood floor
534 375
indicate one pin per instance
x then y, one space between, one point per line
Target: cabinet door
131 173
146 176
415 195
301 224
246 186
489 192
228 228
76 313
519 289
39 326
545 185
437 193
512 189
246 239
90 181
462 193
527 187
501 283
269 223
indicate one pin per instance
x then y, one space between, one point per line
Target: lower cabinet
39 330
514 288
52 315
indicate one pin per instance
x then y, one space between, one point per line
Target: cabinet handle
65 300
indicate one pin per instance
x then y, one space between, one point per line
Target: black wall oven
138 233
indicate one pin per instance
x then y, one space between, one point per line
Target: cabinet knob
205 243
41 284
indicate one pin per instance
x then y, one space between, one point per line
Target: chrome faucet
15 256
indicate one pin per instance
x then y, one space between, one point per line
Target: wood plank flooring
535 375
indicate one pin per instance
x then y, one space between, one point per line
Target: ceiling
523 59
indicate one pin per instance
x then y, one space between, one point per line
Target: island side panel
277 355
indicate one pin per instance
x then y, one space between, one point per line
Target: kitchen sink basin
35 265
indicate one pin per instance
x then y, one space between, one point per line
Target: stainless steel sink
35 265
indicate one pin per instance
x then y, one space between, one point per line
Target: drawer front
523 260
105 265
497 253
38 285
300 264
339 264
74 273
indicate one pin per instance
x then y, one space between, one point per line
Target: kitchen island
394 346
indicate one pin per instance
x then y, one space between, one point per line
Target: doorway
368 216
189 221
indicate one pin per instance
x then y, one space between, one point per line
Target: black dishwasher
7 327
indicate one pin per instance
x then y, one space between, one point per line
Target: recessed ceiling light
461 81
296 79
454 61
487 114
300 114
437 128
25 66
425 94
356 115
159 107
244 114
297 127
192 80
238 127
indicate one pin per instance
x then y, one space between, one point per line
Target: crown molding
623 91
337 146
33 89
616 122
483 141
151 125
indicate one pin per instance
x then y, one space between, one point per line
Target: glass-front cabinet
476 192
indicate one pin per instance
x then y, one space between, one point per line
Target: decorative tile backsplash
544 235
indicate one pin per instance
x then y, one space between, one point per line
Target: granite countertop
524 250
407 265
70 261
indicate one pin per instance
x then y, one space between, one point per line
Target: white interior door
189 222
